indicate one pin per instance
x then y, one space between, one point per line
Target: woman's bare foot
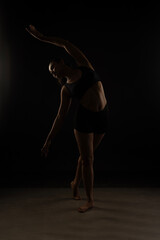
75 190
86 207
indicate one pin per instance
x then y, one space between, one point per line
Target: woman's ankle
76 183
90 200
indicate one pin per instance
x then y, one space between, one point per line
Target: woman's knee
87 159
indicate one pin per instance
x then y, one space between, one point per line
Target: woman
90 120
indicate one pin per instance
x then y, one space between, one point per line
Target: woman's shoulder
89 73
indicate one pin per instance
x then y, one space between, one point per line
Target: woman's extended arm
62 112
79 57
59 120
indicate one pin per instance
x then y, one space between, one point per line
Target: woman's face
56 69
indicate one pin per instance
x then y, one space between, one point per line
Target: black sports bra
77 89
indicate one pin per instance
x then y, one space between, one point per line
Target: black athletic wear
88 121
77 89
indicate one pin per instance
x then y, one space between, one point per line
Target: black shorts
88 121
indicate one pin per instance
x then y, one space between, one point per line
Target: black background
122 41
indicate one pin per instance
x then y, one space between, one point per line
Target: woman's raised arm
78 56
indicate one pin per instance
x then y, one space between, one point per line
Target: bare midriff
94 99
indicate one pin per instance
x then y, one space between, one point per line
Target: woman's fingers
44 154
27 29
34 32
44 151
31 26
31 29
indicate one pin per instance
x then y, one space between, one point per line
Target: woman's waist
94 101
94 105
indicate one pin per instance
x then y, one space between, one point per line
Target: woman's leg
97 140
85 146
78 176
77 180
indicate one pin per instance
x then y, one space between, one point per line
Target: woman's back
88 89
94 99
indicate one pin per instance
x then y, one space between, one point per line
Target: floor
46 213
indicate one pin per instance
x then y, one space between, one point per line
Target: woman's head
61 69
57 69
56 66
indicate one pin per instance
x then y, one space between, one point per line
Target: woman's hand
45 148
34 32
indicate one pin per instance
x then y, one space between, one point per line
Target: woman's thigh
85 143
97 140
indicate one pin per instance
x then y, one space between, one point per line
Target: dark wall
122 42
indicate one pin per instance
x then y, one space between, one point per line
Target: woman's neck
73 75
